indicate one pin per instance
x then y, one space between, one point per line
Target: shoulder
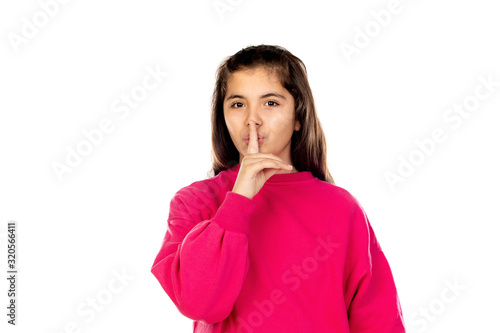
344 208
356 219
202 196
338 196
346 216
210 187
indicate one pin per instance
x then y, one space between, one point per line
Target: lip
258 137
260 140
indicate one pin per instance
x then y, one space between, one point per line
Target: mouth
260 140
258 136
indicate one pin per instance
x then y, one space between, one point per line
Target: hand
256 168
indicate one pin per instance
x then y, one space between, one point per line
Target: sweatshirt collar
281 178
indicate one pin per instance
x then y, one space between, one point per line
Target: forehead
254 78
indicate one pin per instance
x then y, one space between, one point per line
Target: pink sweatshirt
300 256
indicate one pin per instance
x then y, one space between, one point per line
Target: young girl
269 243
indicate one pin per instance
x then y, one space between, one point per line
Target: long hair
308 147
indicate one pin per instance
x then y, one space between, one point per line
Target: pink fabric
300 256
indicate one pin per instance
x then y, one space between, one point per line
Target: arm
374 305
202 264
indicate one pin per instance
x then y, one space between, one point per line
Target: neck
286 171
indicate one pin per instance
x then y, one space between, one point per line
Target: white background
110 213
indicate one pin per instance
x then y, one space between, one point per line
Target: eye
272 103
237 105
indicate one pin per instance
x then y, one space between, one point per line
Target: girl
269 243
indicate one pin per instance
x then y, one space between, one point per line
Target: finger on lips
253 143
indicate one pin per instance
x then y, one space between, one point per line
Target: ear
297 125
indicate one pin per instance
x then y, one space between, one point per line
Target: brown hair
308 147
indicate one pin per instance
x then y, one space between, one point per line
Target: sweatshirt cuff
234 212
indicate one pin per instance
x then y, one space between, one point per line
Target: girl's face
257 94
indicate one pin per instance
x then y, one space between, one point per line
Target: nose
253 115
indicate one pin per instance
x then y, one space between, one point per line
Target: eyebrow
273 94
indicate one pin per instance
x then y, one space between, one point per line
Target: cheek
274 123
280 124
229 124
232 129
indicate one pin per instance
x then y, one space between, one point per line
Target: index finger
253 143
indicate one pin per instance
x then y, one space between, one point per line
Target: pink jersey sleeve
202 263
373 305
